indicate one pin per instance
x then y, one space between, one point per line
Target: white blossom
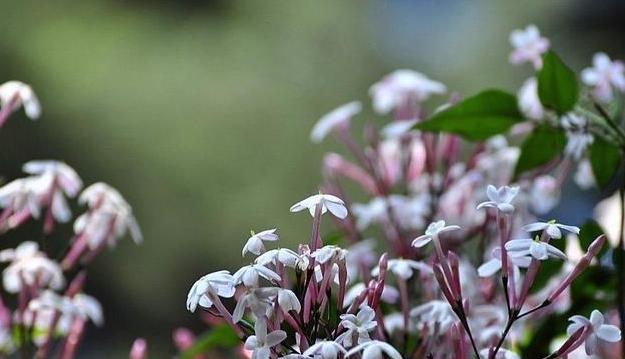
433 230
360 256
109 218
79 306
493 265
434 312
603 76
18 94
597 328
374 349
389 294
544 194
328 202
23 195
528 46
403 268
255 244
501 354
537 249
357 326
584 177
397 129
500 198
285 256
577 134
288 301
261 342
213 284
551 228
29 267
248 275
528 100
376 211
401 87
325 349
338 117
329 253
259 300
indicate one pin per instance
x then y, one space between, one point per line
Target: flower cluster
465 258
52 310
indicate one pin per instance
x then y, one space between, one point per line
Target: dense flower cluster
456 223
51 309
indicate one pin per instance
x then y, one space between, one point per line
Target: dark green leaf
541 146
604 159
557 85
588 233
221 336
478 117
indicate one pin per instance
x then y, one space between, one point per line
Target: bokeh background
199 112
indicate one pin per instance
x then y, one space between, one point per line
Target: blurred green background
199 113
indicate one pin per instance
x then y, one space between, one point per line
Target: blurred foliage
199 112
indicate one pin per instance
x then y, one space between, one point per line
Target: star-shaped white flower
528 46
578 137
259 300
434 312
325 349
500 198
338 117
403 268
255 244
213 284
597 330
433 230
402 86
261 342
603 76
538 250
358 326
492 266
501 354
328 202
287 257
249 275
17 94
551 228
375 349
329 253
29 267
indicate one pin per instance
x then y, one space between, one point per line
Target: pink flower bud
139 349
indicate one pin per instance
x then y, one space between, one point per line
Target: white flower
577 134
288 301
584 177
109 218
397 129
544 194
261 342
410 211
434 312
16 94
86 306
598 330
374 349
551 228
433 230
494 265
255 243
603 75
376 211
22 196
329 253
403 268
328 202
389 294
401 87
213 284
285 256
325 349
259 300
338 117
528 46
501 354
79 306
248 275
29 267
360 256
63 175
528 100
358 326
500 198
528 247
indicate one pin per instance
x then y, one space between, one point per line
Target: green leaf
478 117
588 233
541 146
557 85
221 336
604 159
